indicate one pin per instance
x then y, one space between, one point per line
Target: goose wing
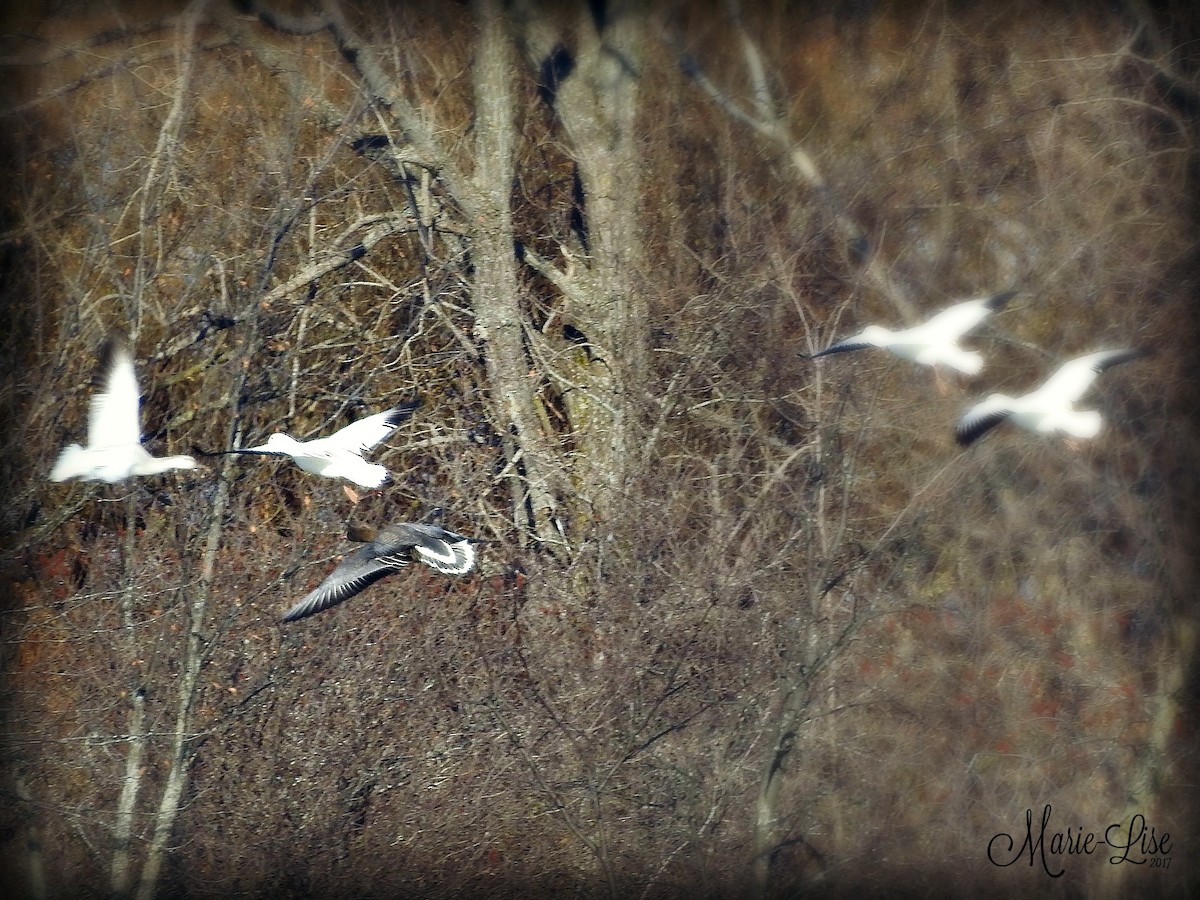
953 322
359 437
1071 381
113 418
353 575
981 418
852 343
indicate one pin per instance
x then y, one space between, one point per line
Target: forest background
744 622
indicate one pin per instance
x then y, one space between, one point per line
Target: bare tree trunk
601 284
496 300
127 802
598 107
485 198
766 805
131 783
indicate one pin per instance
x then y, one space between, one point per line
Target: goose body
1051 408
933 342
385 552
340 455
114 448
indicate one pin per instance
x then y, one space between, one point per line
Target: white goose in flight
1050 408
933 342
386 551
114 449
340 455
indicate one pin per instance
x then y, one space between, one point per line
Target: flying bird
340 455
114 449
1050 408
933 342
387 551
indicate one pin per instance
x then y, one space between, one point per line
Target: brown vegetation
744 622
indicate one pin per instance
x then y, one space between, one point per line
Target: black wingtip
968 433
311 605
301 612
115 341
1123 356
999 301
116 344
235 452
847 346
200 451
965 437
402 411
